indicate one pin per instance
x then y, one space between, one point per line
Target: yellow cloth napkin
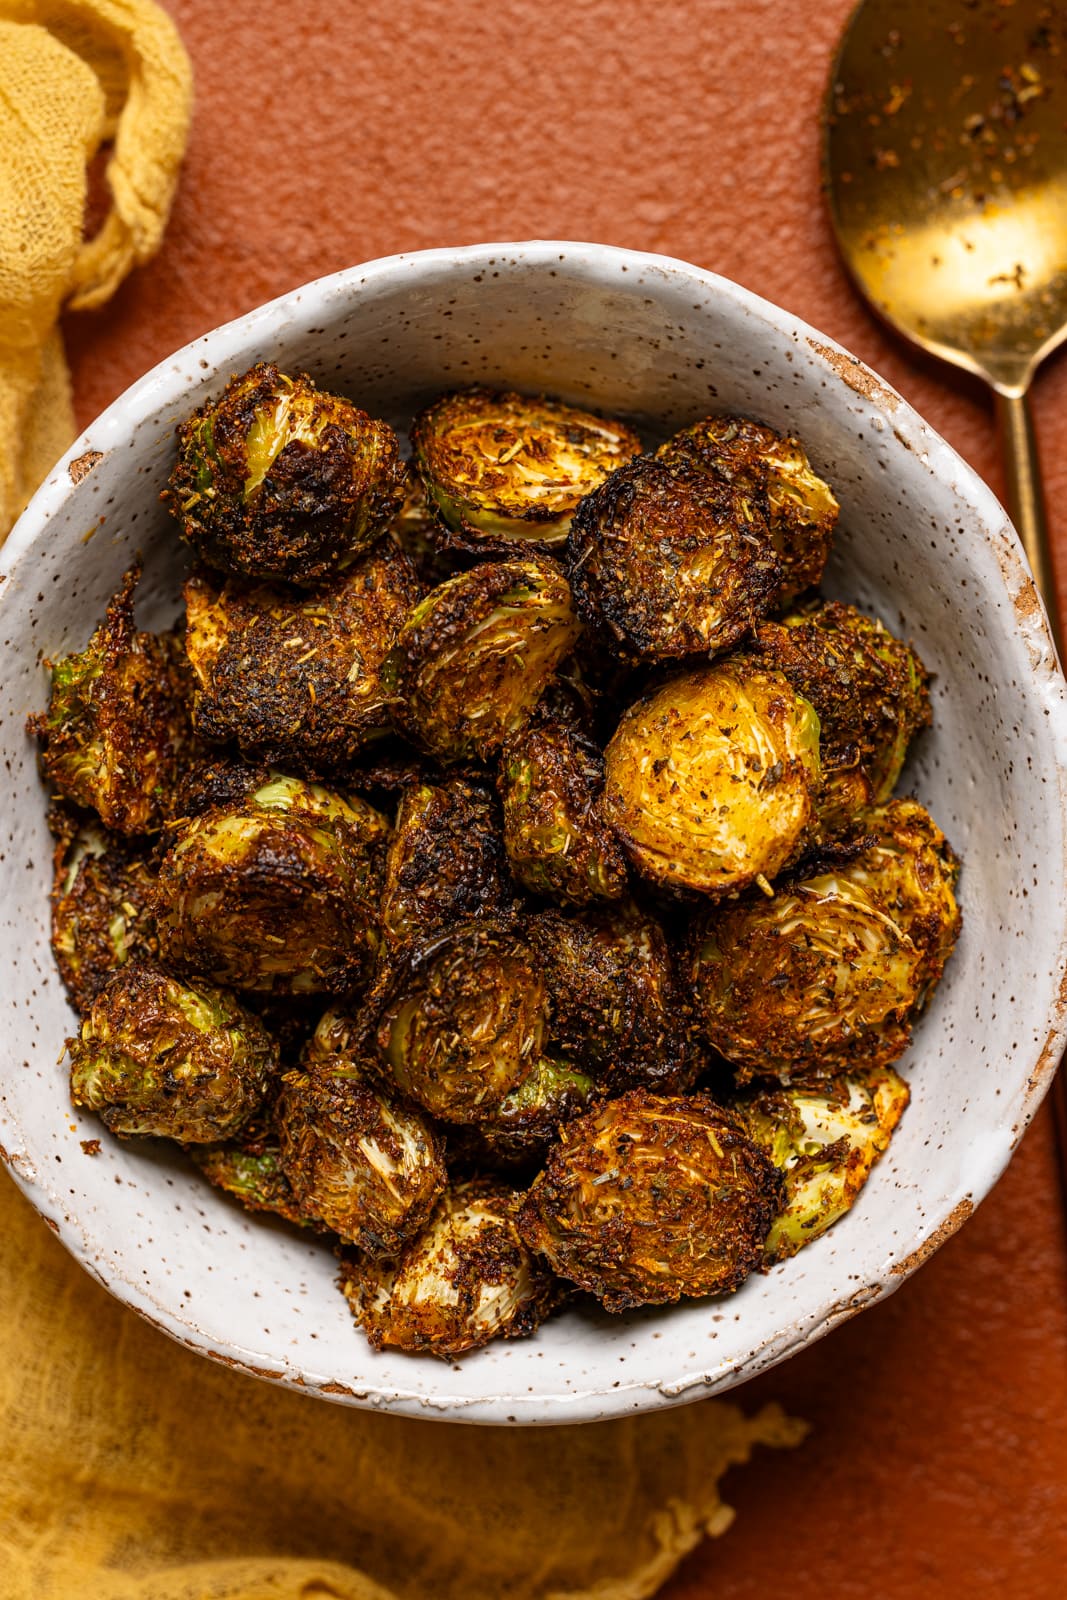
131 1469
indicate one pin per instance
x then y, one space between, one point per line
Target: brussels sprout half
248 1167
506 472
652 1198
671 563
446 860
711 781
292 677
275 893
824 1141
101 898
774 470
117 723
463 1022
277 479
558 844
179 1060
466 1279
366 1166
828 975
524 1125
476 654
870 690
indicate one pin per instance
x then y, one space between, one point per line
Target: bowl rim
164 385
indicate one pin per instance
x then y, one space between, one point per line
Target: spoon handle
1026 501
1026 505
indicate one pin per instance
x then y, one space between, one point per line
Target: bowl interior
921 542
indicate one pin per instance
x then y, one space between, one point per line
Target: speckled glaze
921 540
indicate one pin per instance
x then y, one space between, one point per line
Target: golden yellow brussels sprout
870 690
101 900
671 563
446 859
773 469
617 1010
829 974
294 677
558 844
711 781
275 893
179 1060
505 471
117 723
475 655
652 1198
277 479
824 1141
466 1279
464 1020
357 1160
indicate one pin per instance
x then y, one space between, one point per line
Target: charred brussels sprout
467 1278
824 1142
249 1168
525 1123
364 1165
557 843
294 677
711 781
828 975
652 1198
446 860
506 472
275 894
100 908
868 688
117 724
278 480
416 531
771 469
671 563
464 1020
475 655
618 1013
180 1060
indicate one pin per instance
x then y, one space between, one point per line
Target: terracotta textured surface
326 134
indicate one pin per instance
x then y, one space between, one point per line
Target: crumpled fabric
76 75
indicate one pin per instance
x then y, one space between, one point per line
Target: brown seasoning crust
670 562
651 1198
446 860
113 887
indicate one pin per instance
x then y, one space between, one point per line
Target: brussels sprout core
711 781
156 1056
652 1198
507 472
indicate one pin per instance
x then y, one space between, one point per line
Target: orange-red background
327 133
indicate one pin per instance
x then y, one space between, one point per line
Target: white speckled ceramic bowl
922 541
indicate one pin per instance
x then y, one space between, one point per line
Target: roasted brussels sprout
828 975
558 845
824 1142
221 780
506 472
870 690
277 479
275 893
671 563
180 1060
771 469
446 859
476 654
711 781
617 1010
464 1020
466 1279
525 1123
117 724
100 907
295 678
249 1168
366 1166
652 1198
416 531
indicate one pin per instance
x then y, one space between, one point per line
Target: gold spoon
946 171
